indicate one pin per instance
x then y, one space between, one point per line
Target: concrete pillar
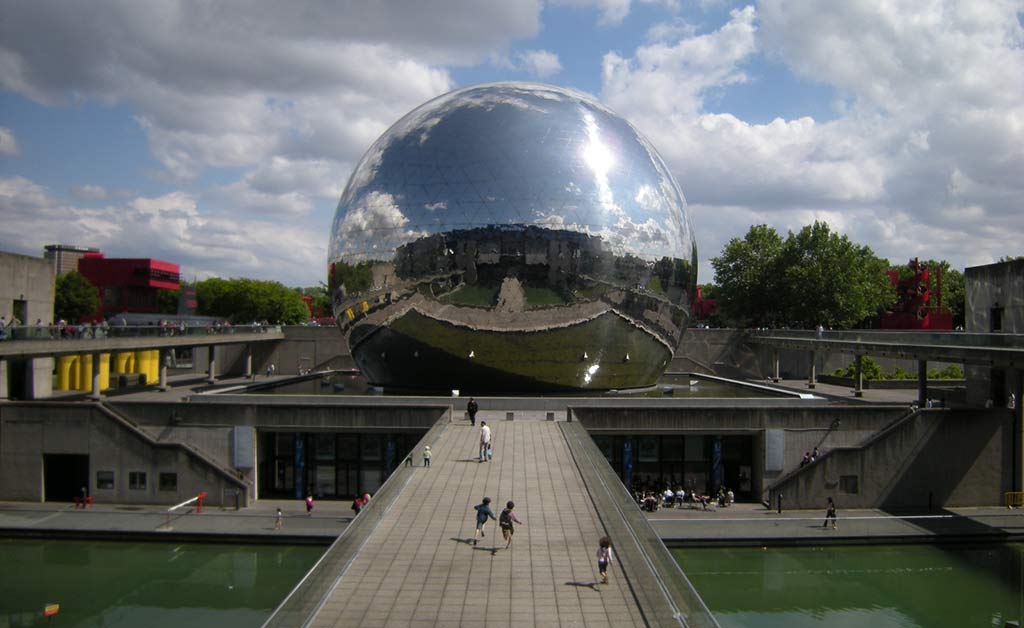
153 372
1016 385
123 362
3 380
922 383
211 370
858 376
813 380
94 367
66 372
775 366
104 371
85 372
248 361
164 357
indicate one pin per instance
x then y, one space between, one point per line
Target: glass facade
703 462
512 237
330 465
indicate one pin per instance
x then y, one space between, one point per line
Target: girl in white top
604 558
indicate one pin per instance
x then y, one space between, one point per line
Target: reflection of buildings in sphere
440 279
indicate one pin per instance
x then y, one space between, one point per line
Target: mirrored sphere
512 237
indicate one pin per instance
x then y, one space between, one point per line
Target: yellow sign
51 610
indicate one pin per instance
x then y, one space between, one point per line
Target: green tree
74 297
748 275
829 280
246 300
321 302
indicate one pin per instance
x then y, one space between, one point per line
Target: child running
604 558
483 511
505 520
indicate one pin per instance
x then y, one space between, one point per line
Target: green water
922 586
124 584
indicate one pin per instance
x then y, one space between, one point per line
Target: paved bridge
409 560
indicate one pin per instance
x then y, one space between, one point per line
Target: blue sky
220 135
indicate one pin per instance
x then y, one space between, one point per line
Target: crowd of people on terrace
13 329
653 495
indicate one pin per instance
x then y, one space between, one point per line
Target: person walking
427 454
279 519
485 440
471 409
830 513
309 505
505 521
604 558
483 511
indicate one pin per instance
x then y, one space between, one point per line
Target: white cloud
173 227
237 83
541 63
8 145
612 12
89 192
924 156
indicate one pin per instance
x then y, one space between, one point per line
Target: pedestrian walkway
753 524
420 568
121 521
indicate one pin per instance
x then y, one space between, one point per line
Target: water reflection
903 586
497 234
114 584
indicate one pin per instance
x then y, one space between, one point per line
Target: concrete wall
28 279
800 429
987 287
28 432
938 458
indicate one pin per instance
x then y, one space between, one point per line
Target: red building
915 308
129 285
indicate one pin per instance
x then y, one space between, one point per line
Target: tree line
809 278
237 300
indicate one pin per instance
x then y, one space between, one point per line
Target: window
105 479
848 484
996 320
168 481
137 480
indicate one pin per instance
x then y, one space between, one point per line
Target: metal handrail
665 594
306 599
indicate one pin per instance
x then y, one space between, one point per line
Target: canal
131 584
904 586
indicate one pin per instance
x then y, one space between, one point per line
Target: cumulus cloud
927 132
541 63
234 84
174 227
8 145
89 192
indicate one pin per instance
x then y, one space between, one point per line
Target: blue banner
300 466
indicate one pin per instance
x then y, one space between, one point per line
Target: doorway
64 475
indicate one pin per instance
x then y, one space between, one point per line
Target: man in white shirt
485 440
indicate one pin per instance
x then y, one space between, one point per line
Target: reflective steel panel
512 237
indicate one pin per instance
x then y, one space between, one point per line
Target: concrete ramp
419 568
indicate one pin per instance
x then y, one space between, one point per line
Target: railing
902 336
664 593
93 332
306 599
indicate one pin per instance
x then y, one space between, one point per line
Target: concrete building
64 257
995 304
26 296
